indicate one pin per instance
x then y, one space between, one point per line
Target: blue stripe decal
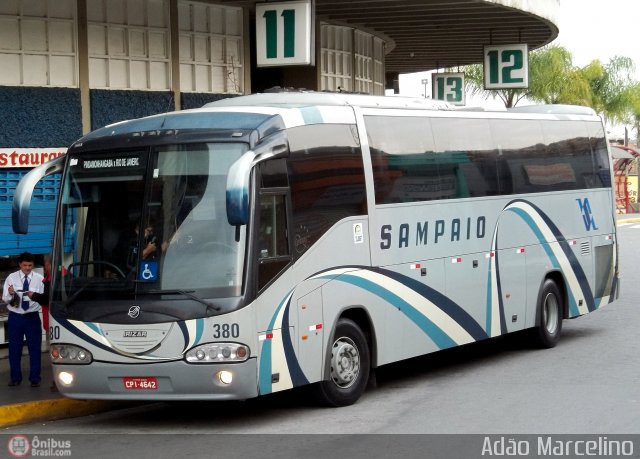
503 322
438 336
575 264
570 256
491 280
449 307
297 376
83 336
264 380
199 330
93 327
488 319
573 306
536 231
185 335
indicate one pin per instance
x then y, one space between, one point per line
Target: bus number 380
226 330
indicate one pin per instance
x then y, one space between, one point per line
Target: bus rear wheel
349 365
550 313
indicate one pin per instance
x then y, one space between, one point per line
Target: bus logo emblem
134 312
587 215
134 334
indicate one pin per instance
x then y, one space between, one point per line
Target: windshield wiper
187 293
70 299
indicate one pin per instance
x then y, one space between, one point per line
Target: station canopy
431 34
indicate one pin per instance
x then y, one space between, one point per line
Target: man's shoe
14 383
35 384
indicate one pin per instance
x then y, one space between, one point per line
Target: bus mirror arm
240 175
24 191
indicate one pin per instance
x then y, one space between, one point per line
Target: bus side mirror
24 191
238 190
240 175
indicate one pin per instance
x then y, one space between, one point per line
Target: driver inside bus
127 247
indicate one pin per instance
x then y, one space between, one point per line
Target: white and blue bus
271 241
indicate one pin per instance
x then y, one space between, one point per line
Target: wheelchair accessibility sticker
148 271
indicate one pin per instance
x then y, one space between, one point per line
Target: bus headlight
218 353
225 377
69 353
65 378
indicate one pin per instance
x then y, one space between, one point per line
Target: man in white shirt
24 319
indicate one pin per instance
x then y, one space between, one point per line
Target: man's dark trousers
21 325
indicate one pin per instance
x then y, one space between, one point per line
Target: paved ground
24 404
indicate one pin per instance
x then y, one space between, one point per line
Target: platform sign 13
448 87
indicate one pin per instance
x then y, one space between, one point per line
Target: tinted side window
326 176
273 245
569 162
602 169
423 159
545 155
479 169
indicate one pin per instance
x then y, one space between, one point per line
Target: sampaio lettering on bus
440 230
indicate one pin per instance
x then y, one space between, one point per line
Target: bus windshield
149 222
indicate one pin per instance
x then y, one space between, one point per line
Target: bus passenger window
273 231
273 245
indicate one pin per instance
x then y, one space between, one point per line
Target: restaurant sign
28 157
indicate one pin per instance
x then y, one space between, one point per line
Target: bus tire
546 334
348 364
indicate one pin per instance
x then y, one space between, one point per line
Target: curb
51 410
628 220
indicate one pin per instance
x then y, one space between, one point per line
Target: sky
599 29
589 29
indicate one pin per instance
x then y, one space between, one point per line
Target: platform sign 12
506 66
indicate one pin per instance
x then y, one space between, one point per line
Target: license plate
146 383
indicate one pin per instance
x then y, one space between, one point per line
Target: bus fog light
200 354
225 377
65 378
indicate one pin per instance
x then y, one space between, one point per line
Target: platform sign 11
284 33
506 66
448 87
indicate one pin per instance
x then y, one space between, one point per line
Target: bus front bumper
176 380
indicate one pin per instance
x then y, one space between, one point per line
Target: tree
607 88
554 80
634 115
612 87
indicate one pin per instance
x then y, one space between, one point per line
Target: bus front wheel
349 365
546 334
